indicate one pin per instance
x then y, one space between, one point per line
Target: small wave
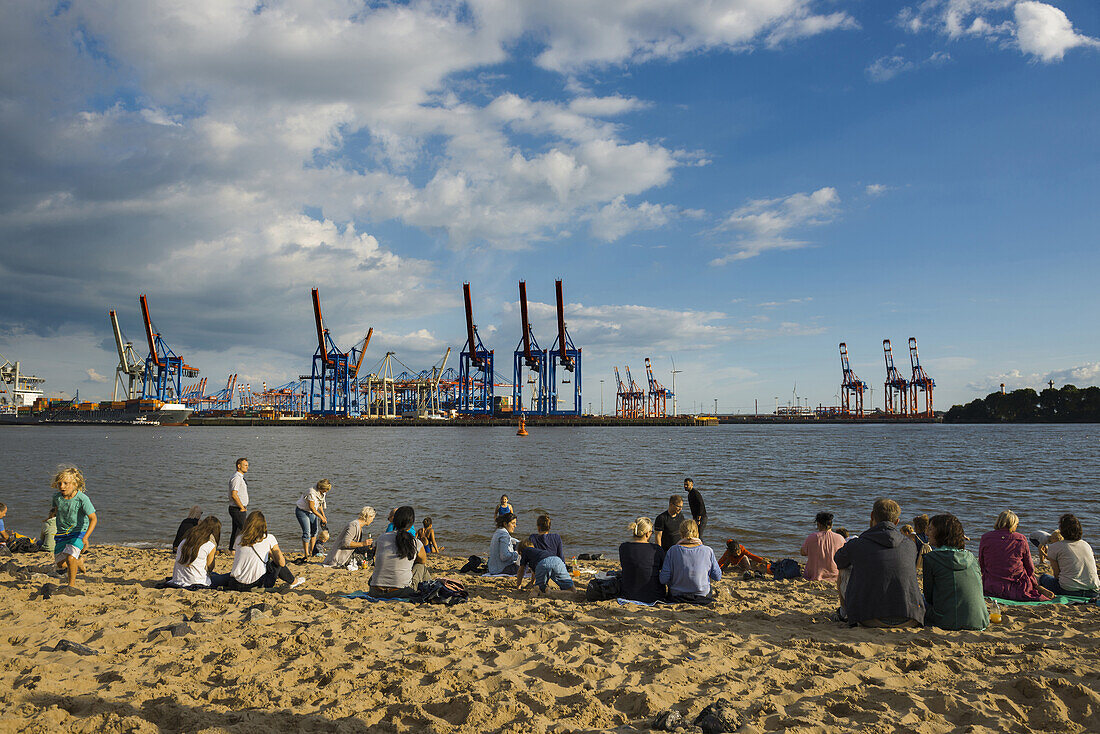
141 544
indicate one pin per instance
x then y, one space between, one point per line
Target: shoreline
312 660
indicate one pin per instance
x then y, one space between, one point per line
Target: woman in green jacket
952 579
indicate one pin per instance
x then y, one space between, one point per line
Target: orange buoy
522 427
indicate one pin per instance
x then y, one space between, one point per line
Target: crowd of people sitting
889 575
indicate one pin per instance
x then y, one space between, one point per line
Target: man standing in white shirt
238 501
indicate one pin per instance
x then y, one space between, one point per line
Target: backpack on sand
603 589
786 569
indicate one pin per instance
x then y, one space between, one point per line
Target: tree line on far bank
1068 404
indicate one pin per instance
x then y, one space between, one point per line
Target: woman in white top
251 567
195 556
1072 561
310 512
503 557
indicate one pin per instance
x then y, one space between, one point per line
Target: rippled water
762 483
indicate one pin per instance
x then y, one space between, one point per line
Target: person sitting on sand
1042 541
195 556
738 556
952 581
641 562
1072 562
390 526
689 568
46 540
503 557
5 534
186 524
920 529
400 564
547 540
819 548
351 542
668 523
1005 560
922 547
310 513
258 561
842 532
882 590
76 519
504 508
544 567
426 535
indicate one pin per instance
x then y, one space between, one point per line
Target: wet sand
504 661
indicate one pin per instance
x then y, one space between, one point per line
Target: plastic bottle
576 570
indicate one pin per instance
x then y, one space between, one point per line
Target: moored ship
145 412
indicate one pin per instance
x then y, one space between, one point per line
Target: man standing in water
695 502
238 500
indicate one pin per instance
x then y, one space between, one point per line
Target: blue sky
735 185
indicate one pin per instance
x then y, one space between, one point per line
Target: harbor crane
622 398
529 364
635 397
130 371
657 402
164 369
920 382
897 389
475 368
332 389
851 387
563 354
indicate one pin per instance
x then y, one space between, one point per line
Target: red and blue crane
659 395
475 368
851 387
530 364
164 369
333 389
897 387
920 382
567 357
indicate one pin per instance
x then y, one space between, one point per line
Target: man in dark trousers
695 502
667 525
238 500
882 590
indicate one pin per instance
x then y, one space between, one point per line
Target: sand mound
309 660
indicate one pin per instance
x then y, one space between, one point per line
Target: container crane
851 387
475 368
565 355
164 369
529 364
622 397
331 391
897 389
129 366
920 382
635 397
657 402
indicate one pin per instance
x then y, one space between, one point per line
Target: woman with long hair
195 556
400 563
952 582
258 560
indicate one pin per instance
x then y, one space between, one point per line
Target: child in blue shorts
75 521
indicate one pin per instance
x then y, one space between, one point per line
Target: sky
735 186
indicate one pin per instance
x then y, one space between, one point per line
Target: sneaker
353 566
298 582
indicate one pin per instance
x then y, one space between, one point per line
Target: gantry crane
164 369
897 388
332 390
657 402
851 387
530 365
635 397
622 398
129 366
565 355
920 382
475 368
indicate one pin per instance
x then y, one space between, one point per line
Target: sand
508 662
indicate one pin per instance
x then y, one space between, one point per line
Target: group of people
876 572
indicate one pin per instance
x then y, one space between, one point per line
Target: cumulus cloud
886 68
1081 375
876 189
94 376
766 224
1037 29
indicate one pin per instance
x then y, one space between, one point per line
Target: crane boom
526 324
320 327
149 330
475 360
359 362
118 337
565 359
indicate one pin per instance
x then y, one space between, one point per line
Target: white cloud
774 304
94 376
887 67
1037 29
1044 31
766 223
1081 375
617 219
876 189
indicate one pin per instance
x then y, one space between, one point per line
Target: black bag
23 544
788 568
441 591
603 589
473 565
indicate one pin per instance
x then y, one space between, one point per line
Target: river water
762 484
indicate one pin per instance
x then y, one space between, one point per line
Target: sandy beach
311 660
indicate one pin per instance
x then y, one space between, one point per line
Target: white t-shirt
312 495
1076 565
237 483
250 561
194 574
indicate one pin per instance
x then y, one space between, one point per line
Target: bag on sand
788 568
603 589
473 565
441 591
